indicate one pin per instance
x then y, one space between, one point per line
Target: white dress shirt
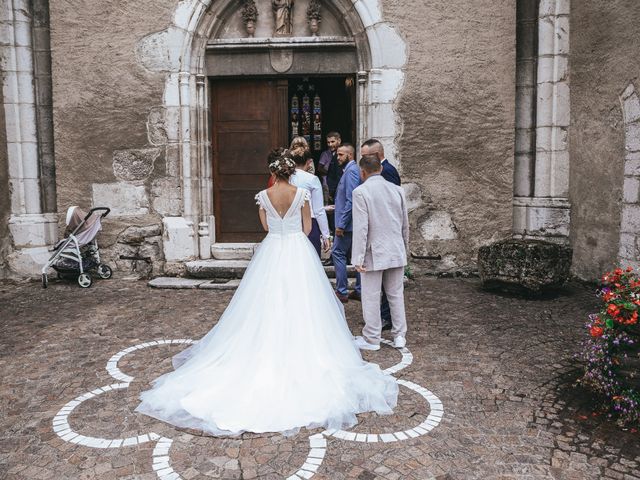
302 179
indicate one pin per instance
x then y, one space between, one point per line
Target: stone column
31 227
204 227
547 210
44 102
629 251
525 144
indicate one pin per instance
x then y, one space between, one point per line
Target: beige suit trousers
393 281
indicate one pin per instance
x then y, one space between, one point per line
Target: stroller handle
98 209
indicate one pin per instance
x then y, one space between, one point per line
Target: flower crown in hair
281 164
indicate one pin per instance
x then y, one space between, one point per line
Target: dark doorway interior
319 105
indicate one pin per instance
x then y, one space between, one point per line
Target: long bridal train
281 357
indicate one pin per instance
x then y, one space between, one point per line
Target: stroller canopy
86 230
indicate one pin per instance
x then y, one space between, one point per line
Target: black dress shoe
386 324
342 298
354 296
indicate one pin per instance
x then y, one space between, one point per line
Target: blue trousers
340 255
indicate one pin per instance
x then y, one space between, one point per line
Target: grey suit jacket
380 225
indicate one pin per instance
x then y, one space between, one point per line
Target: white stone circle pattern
161 461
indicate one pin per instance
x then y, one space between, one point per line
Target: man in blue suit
390 174
344 225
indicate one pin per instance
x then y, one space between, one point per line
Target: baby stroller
78 253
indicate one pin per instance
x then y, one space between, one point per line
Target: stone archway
180 52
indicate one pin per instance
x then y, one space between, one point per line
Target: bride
281 357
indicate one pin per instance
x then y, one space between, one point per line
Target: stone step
233 251
177 283
221 269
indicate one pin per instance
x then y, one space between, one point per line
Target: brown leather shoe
354 296
342 298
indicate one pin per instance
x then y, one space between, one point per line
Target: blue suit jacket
390 173
344 196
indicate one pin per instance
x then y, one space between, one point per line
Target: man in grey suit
379 251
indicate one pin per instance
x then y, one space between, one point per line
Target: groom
379 251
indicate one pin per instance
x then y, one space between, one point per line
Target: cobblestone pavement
501 366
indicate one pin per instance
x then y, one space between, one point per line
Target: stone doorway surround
25 71
180 51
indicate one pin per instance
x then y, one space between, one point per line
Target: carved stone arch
180 52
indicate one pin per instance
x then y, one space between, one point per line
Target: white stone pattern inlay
317 442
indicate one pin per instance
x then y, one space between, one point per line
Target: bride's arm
306 218
263 219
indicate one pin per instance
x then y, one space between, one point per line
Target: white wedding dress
281 357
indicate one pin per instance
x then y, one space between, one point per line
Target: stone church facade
506 118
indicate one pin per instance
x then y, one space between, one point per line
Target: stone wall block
134 164
547 8
549 222
525 73
122 198
559 185
562 35
7 59
630 218
546 36
524 140
161 51
24 59
628 91
525 102
627 246
550 139
562 112
393 53
157 126
632 166
166 196
369 11
631 190
138 234
413 194
391 81
22 34
26 90
438 225
172 91
182 14
632 131
178 239
545 105
522 176
631 109
381 120
12 123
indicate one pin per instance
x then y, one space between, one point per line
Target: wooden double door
249 119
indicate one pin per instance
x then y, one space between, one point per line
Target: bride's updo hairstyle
281 163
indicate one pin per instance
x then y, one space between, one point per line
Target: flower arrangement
610 354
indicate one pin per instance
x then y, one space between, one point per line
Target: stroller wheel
84 280
45 280
104 271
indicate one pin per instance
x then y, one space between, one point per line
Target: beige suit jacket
380 225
